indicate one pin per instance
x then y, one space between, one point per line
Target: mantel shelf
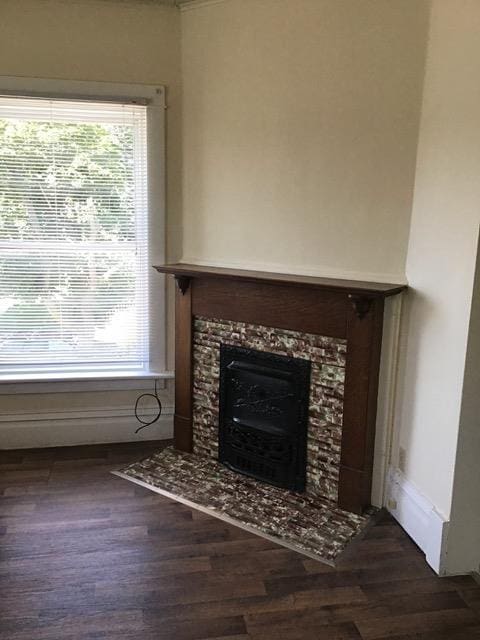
355 287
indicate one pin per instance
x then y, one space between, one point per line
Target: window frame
153 97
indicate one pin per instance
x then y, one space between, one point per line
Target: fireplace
334 324
263 415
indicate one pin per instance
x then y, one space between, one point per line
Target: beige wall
101 40
442 253
300 132
98 40
463 548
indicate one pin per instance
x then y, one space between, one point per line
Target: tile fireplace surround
334 324
326 391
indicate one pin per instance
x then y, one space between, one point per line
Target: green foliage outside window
67 210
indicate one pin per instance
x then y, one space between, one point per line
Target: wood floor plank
393 626
160 612
85 555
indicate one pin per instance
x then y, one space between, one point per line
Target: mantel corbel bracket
183 282
361 304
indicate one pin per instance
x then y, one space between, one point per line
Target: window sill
85 381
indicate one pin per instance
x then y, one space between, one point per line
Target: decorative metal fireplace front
264 415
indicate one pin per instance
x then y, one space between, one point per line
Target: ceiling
168 3
171 3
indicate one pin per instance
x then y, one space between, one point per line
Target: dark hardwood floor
85 555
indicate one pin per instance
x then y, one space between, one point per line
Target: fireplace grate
254 468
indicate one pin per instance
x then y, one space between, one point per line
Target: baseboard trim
88 426
418 516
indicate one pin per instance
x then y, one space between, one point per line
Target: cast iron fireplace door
263 415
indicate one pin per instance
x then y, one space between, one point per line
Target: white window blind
73 236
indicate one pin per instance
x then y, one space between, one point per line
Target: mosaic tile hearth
307 524
327 356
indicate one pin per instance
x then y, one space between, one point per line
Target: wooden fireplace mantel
188 271
337 308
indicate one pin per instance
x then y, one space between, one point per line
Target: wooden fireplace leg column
182 424
364 340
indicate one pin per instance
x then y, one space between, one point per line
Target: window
74 291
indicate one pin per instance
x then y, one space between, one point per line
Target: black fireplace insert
264 415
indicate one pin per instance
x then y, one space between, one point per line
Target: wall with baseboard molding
442 251
437 413
97 41
419 517
88 425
